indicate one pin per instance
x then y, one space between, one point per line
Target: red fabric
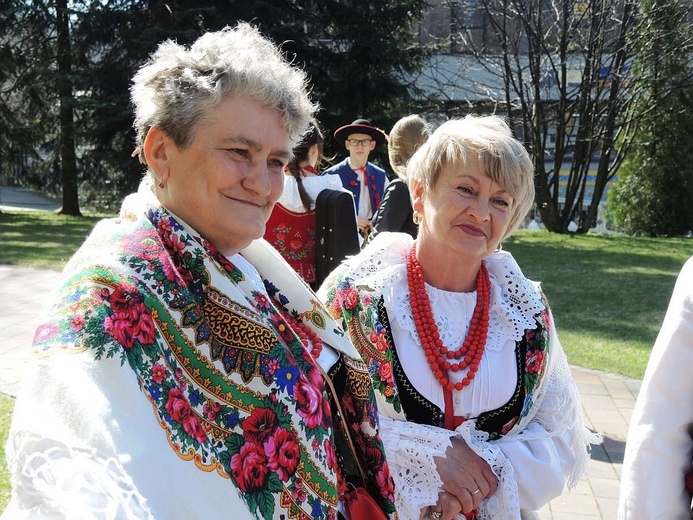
360 505
293 235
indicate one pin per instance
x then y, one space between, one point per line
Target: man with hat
365 180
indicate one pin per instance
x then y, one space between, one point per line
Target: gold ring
435 514
475 492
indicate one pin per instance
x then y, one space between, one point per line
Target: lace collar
515 300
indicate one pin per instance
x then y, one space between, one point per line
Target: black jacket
395 212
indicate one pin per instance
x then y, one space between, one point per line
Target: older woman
478 410
182 369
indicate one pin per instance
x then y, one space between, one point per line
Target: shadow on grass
41 238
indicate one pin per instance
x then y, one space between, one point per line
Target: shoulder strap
345 427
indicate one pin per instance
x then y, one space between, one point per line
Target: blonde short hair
407 136
489 139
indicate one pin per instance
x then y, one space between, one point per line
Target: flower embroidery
260 425
179 410
310 403
282 453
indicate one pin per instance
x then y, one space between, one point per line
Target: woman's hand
465 475
446 509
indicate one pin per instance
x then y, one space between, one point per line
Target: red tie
363 171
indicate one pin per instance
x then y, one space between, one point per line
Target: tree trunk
68 159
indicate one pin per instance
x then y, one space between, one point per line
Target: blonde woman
395 212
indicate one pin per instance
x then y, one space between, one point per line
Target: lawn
608 293
41 239
6 406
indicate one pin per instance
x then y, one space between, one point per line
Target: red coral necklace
309 338
438 355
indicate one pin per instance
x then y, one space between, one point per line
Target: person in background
656 480
395 212
181 370
365 180
478 409
292 227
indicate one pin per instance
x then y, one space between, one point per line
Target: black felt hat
360 126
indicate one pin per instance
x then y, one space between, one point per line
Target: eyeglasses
360 142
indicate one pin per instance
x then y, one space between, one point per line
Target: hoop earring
417 218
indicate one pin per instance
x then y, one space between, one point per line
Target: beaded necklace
309 338
439 356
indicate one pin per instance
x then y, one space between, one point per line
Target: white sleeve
52 480
552 450
658 449
411 448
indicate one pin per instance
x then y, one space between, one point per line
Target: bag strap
345 427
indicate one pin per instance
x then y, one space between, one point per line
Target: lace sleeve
53 480
410 450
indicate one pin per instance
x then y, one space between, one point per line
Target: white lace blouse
534 465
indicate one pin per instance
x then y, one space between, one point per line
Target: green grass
41 238
6 407
608 293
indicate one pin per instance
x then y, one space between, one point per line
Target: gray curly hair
176 87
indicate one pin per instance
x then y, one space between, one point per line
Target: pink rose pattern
294 243
356 310
270 451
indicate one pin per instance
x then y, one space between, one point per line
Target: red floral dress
293 235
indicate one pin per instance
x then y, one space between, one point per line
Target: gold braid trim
231 324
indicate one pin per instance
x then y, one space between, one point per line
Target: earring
417 218
162 184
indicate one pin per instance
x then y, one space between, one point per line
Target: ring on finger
435 514
475 492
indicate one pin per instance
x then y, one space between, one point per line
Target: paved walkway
13 199
607 399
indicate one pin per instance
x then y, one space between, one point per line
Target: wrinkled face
359 149
465 211
227 181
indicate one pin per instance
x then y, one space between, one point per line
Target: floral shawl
162 361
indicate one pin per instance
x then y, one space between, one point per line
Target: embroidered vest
364 317
293 235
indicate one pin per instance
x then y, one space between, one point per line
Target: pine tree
655 186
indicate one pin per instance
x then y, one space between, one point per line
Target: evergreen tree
355 53
655 186
27 101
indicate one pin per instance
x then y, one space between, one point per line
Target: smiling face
227 181
465 213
